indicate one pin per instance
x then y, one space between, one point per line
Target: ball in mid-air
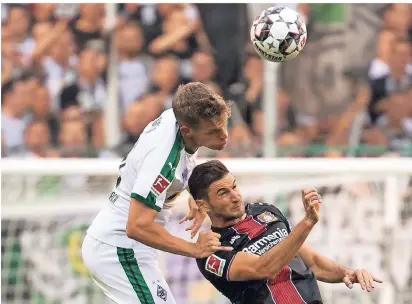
278 34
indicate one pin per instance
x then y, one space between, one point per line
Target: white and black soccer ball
278 34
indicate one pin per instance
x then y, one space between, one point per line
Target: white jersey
155 172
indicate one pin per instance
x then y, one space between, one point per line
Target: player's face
212 133
225 201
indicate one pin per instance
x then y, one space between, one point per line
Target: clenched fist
311 201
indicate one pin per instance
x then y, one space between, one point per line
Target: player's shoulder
255 209
158 137
166 121
163 130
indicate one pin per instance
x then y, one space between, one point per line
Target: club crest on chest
267 217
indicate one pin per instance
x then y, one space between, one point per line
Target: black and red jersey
263 228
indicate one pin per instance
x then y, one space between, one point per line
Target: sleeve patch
215 265
160 184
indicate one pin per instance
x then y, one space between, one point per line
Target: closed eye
214 131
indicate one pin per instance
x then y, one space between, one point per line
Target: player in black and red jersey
270 262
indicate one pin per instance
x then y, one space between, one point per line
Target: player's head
214 188
202 115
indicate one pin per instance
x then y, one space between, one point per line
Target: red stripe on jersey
283 290
228 268
250 226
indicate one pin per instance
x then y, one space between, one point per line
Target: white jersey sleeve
153 161
156 173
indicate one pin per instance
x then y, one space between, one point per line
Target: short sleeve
157 170
216 267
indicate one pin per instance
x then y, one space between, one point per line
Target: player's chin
237 214
230 216
219 146
237 211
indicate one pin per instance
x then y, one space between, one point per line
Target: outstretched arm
327 270
141 226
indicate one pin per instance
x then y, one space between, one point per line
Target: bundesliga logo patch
267 217
160 184
215 265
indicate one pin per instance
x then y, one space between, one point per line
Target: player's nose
235 196
224 134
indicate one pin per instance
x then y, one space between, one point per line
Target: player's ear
185 130
202 205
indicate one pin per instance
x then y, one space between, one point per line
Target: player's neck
222 223
190 146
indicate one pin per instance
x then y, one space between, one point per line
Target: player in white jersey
119 249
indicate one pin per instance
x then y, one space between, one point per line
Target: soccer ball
278 34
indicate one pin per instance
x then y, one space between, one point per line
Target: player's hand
196 215
361 276
208 243
311 201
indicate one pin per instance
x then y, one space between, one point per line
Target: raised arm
246 266
48 41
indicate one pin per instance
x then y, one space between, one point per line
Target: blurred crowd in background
348 93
